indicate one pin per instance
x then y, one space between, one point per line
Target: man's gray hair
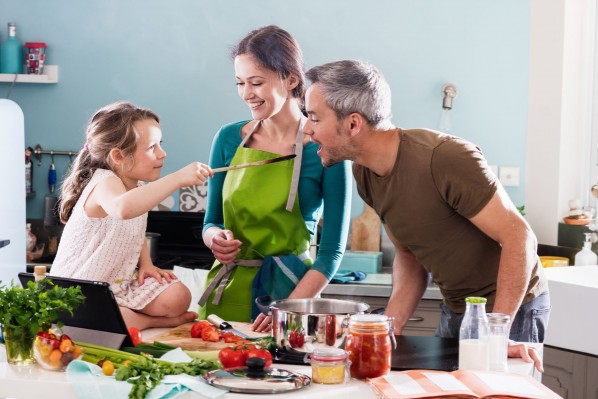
355 86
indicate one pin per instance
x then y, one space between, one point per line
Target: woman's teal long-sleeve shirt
321 190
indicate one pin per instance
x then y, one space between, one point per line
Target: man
441 206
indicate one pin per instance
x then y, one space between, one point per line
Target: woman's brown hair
277 50
110 127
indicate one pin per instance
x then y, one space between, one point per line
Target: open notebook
98 320
416 384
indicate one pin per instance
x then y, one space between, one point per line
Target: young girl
105 207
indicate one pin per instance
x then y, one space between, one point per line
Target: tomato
135 335
230 357
210 334
198 327
229 337
330 330
107 368
65 337
264 354
66 346
296 339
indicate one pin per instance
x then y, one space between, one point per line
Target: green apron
263 213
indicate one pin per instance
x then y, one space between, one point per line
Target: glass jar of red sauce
369 345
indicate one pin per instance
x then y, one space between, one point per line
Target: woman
260 221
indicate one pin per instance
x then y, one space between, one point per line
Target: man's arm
409 281
501 221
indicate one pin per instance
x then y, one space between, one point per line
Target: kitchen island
35 382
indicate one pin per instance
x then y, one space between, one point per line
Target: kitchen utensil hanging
50 200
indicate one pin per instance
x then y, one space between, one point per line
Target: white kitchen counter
573 296
34 382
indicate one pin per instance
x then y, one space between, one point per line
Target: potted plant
26 311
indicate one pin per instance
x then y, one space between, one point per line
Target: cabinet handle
416 319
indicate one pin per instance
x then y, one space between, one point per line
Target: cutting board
181 337
365 231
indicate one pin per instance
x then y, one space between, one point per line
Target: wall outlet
509 176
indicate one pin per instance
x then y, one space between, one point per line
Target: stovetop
180 242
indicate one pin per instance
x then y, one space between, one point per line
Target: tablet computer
97 320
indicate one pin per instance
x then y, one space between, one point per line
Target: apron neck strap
248 135
296 167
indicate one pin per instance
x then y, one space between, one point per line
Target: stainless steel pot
301 325
152 244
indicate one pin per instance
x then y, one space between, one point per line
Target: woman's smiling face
262 89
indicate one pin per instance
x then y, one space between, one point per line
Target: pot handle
264 304
377 311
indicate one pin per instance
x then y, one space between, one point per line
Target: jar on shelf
369 345
30 239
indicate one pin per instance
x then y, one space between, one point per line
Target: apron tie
222 277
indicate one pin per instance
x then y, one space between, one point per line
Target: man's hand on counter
527 353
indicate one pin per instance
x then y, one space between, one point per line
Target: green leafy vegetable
145 373
37 306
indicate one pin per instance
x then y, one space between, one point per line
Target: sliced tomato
210 334
264 354
197 328
229 337
230 358
135 335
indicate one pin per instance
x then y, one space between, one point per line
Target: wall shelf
50 75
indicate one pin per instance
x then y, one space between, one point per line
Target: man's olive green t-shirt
437 184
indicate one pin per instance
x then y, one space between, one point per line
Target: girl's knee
180 296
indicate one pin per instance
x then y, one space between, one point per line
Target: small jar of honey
369 345
328 365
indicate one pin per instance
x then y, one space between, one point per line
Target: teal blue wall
172 56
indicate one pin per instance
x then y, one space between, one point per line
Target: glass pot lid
256 379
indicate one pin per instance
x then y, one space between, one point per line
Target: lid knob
255 367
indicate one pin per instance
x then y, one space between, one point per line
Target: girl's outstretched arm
113 198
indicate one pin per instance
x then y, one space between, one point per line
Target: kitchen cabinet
572 375
423 322
50 75
592 381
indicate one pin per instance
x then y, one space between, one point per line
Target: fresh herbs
145 373
35 307
142 370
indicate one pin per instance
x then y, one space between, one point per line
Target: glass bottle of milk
473 336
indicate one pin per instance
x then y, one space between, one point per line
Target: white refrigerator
12 194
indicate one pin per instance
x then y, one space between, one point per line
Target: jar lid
368 318
39 269
475 299
328 354
36 45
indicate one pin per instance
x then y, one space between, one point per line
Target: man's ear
355 123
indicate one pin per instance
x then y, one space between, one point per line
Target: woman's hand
224 246
262 323
150 270
527 354
194 174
